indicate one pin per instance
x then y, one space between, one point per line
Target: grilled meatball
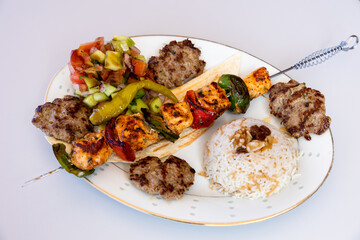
177 62
65 118
170 179
146 174
213 97
302 109
133 130
90 151
178 177
177 116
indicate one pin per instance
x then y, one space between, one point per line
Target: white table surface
36 38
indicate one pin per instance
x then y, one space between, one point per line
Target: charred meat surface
177 116
302 109
133 130
90 151
65 118
213 97
146 174
170 179
177 62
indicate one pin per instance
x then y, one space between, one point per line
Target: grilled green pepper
64 159
123 98
236 91
158 123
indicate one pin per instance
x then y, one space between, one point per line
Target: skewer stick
41 176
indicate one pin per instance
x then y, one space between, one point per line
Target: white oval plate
200 205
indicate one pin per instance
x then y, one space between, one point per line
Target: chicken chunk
133 130
258 82
90 151
177 116
213 97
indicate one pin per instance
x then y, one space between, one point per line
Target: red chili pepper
122 149
202 117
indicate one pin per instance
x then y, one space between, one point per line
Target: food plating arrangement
196 125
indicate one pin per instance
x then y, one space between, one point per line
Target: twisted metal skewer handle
322 55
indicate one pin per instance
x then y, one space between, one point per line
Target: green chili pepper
123 98
158 123
64 159
236 91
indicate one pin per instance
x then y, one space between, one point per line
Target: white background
36 39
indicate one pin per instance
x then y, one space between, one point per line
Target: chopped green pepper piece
100 97
123 98
137 104
109 90
64 159
155 105
140 93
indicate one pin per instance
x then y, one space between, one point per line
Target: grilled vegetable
236 91
258 82
64 159
202 117
158 123
123 98
121 148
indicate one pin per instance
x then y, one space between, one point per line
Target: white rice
249 175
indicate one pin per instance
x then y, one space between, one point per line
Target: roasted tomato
97 43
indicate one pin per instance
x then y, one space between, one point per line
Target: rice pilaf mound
249 158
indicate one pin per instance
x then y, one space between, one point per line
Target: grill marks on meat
170 179
65 118
133 130
213 97
90 151
302 109
177 116
177 62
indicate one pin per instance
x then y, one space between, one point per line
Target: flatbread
165 147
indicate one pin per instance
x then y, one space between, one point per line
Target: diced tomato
139 67
97 43
76 61
75 78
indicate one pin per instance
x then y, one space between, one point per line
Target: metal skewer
42 176
322 55
313 59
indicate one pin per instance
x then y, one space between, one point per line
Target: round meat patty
177 62
170 179
65 118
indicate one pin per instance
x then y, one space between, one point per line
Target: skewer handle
322 55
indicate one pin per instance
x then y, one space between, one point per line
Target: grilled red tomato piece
122 149
203 117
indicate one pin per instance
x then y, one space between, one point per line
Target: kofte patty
65 118
177 62
170 179
302 109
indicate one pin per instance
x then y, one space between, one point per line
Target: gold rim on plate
198 222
